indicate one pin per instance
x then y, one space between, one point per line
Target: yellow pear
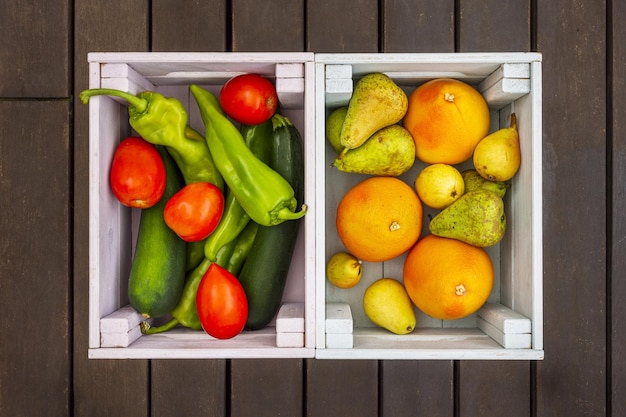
497 157
387 304
343 270
376 102
439 185
333 127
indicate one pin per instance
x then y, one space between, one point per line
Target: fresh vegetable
163 121
257 138
185 313
263 193
157 273
242 248
221 303
249 99
194 211
137 174
265 270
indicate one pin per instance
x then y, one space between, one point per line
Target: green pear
333 127
474 181
387 304
388 152
376 102
476 218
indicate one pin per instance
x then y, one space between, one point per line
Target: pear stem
513 124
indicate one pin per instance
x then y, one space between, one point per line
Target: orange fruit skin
447 119
446 278
379 219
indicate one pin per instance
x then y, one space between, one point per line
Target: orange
379 219
447 119
446 278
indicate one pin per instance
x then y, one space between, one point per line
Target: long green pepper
163 120
263 193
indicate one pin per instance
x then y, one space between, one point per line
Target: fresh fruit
498 156
474 181
389 152
343 270
447 119
137 174
379 218
376 102
333 127
249 99
194 211
446 278
439 185
476 218
221 303
387 304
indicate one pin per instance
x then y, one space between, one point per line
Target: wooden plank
617 249
197 26
342 26
266 387
188 388
35 252
192 26
101 387
572 379
481 385
281 30
494 388
501 26
417 388
341 388
409 388
418 26
35 49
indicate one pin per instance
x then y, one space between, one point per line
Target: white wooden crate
113 324
510 325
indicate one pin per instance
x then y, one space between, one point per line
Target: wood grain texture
341 388
35 353
418 26
188 388
417 388
35 48
107 387
572 379
266 387
342 26
617 130
192 26
501 26
268 26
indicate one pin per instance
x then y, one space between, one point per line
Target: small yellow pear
343 270
497 157
439 185
474 181
387 304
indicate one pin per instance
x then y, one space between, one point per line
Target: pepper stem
286 214
138 103
147 329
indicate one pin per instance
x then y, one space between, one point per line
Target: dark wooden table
44 370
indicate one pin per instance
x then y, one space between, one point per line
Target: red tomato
137 174
249 99
221 303
194 211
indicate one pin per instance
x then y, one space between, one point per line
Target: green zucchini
264 273
157 273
